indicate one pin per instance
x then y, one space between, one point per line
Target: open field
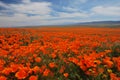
60 53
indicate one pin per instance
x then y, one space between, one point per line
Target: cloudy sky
56 12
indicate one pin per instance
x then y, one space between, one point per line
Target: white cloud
76 3
24 20
72 15
70 9
107 11
33 8
40 8
41 11
3 5
42 15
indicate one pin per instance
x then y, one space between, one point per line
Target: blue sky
56 12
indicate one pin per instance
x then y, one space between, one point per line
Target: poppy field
60 53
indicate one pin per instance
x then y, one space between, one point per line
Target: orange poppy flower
66 75
34 55
114 76
75 60
7 71
53 55
46 72
52 65
33 78
108 62
21 74
38 59
36 69
14 67
3 78
1 67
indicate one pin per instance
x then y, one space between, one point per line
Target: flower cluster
59 54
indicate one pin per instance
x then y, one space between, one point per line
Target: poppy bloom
33 78
52 65
7 71
108 62
66 75
117 62
3 78
14 67
34 55
36 69
118 66
1 67
38 59
46 72
53 55
21 74
74 60
114 76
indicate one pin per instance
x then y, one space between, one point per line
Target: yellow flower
109 70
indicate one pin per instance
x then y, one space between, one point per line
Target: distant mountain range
101 23
112 24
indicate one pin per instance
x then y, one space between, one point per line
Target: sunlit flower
33 78
36 69
66 75
52 65
21 74
3 78
38 59
46 72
